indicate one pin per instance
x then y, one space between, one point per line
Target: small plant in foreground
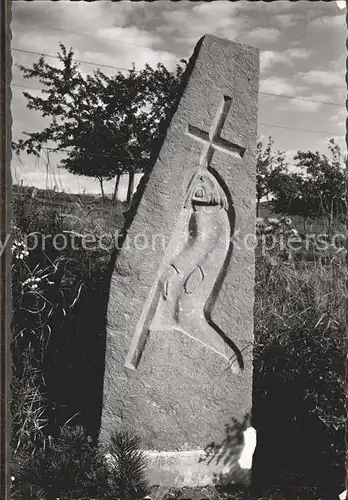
128 467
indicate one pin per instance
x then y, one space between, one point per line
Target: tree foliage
317 189
327 180
270 169
106 126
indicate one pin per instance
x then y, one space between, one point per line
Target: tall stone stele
178 368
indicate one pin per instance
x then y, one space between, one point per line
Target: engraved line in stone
220 118
212 139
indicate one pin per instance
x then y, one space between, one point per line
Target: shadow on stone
225 455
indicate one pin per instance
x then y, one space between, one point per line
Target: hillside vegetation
60 299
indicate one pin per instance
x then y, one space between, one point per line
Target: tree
270 165
318 189
106 126
293 195
327 177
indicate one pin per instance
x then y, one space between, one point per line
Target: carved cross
212 140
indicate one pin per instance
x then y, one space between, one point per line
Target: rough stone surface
174 385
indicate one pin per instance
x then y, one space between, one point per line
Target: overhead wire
128 69
76 60
261 93
260 124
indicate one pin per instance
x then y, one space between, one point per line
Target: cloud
219 10
97 33
340 113
300 105
185 26
289 155
310 103
126 32
313 104
322 77
280 85
339 117
331 22
287 20
298 53
31 39
130 56
339 139
263 35
32 172
116 46
271 8
127 36
70 16
268 58
23 118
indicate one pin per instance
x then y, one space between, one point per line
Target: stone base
195 468
177 469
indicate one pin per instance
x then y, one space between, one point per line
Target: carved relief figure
186 287
196 257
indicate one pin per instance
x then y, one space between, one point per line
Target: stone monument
178 368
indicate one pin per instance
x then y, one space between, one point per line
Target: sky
302 56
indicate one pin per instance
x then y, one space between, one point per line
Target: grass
71 466
299 357
314 225
60 300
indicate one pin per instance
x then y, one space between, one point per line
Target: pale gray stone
178 366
